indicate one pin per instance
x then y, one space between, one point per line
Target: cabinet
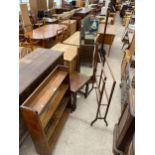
46 110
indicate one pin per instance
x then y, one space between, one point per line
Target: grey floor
77 136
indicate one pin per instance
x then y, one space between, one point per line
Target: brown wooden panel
36 131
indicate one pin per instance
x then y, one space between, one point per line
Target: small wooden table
74 39
71 55
109 37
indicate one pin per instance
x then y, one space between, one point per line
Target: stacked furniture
47 108
125 128
33 69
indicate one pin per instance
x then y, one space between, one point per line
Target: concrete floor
77 136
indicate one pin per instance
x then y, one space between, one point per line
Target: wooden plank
56 118
45 91
53 139
36 131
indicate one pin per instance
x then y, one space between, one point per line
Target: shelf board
38 100
52 106
56 119
59 127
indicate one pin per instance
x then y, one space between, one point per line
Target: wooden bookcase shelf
46 110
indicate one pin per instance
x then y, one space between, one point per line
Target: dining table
45 32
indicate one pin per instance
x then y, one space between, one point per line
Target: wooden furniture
126 18
125 60
82 13
44 32
46 110
33 69
74 39
124 130
79 80
23 51
25 18
109 37
79 16
79 3
72 25
71 56
127 55
110 20
50 20
100 86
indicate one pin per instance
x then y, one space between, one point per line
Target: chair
67 23
60 35
79 80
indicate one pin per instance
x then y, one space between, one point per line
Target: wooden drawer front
124 118
73 27
71 65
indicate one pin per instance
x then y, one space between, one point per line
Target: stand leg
109 50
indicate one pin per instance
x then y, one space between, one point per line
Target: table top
70 52
110 29
44 32
34 67
74 39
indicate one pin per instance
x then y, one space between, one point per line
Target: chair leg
74 99
86 90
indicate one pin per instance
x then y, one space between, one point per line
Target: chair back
60 35
25 18
67 23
